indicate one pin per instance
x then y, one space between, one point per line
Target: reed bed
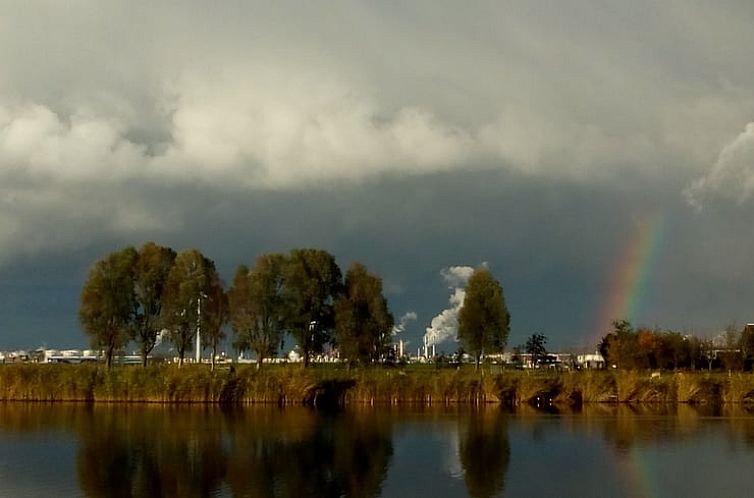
326 385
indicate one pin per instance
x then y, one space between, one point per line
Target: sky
597 157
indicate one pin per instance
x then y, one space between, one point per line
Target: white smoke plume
444 326
403 322
161 336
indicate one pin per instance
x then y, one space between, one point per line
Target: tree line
642 348
137 295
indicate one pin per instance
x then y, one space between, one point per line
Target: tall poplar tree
257 306
312 284
363 324
215 314
186 309
152 268
483 321
108 307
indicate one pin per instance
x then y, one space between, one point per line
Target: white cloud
270 133
732 175
113 101
37 145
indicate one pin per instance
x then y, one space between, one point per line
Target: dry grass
290 384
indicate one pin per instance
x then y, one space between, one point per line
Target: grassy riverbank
327 384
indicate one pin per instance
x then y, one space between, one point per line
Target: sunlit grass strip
293 385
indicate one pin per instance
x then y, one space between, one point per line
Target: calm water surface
155 451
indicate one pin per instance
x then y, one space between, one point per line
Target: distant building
590 361
72 356
17 356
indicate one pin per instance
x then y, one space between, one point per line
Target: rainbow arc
630 283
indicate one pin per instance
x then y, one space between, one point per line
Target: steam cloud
161 336
403 322
445 325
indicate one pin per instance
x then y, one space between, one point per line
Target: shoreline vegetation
324 386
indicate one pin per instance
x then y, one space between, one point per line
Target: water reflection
326 455
624 426
153 452
145 451
484 452
159 451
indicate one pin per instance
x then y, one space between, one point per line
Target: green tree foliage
696 352
620 346
312 284
108 307
215 314
363 323
535 346
258 306
192 281
483 321
707 352
632 349
746 345
675 351
151 271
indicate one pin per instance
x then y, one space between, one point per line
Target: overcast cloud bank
123 122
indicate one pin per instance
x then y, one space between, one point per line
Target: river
72 450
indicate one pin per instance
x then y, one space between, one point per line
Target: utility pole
198 328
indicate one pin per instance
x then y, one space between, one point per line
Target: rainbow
629 285
636 474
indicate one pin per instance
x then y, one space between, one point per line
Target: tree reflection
106 465
146 451
158 455
164 452
341 455
625 425
484 452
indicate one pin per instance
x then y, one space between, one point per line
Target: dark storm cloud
412 137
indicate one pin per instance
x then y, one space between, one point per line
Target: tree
363 324
696 351
312 284
257 306
108 307
708 352
746 345
675 351
650 349
153 265
215 314
620 347
483 321
535 346
192 281
731 358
